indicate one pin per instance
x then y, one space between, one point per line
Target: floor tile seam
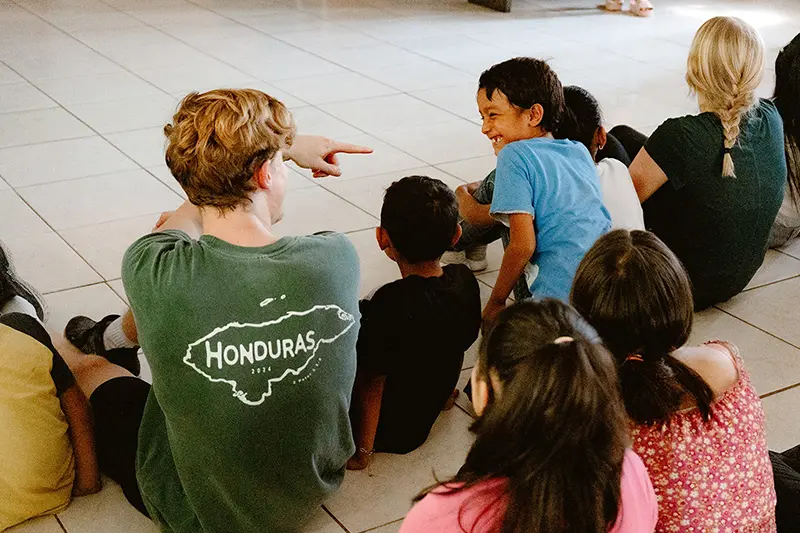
61 524
82 176
273 36
344 182
154 214
90 128
773 335
378 134
778 391
55 106
609 50
784 252
484 283
159 29
464 410
352 204
74 38
333 517
370 530
245 73
138 168
75 287
770 283
237 22
53 230
318 105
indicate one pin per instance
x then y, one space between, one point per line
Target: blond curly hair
217 141
725 68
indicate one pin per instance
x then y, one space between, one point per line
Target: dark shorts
117 406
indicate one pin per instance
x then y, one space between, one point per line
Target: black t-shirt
415 331
717 226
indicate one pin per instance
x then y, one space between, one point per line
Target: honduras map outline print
244 358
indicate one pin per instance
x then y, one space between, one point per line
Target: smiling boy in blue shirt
545 192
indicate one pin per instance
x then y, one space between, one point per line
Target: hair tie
562 340
726 150
634 357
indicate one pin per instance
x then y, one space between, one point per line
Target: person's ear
480 392
535 115
385 243
383 238
263 176
600 138
457 235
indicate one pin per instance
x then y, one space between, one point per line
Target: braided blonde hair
725 68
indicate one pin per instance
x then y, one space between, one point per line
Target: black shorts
117 406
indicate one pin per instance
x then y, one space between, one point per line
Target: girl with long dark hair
551 450
696 420
787 100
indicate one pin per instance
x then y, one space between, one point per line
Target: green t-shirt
252 351
718 226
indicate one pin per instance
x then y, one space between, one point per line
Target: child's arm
517 254
79 418
367 396
470 209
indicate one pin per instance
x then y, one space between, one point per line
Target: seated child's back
414 331
696 420
38 468
554 181
583 122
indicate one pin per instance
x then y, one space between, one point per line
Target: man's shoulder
159 240
336 248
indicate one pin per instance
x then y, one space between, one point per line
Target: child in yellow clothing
46 440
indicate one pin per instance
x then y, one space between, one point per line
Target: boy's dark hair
581 117
558 430
526 81
787 96
420 214
636 293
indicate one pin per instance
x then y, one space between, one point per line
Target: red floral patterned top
712 476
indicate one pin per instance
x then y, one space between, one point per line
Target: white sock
18 304
114 337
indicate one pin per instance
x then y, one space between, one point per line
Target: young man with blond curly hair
250 336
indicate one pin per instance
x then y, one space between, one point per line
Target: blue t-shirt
554 181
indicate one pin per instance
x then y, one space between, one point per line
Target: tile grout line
55 232
316 106
370 530
237 22
201 52
770 283
62 106
783 252
25 78
338 522
783 389
756 327
60 523
83 286
95 134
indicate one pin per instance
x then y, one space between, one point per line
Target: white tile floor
86 84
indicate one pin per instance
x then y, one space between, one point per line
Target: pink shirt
715 475
479 509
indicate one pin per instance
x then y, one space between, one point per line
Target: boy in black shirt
414 331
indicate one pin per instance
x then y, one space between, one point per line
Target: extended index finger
345 148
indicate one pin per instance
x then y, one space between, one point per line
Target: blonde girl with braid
711 184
